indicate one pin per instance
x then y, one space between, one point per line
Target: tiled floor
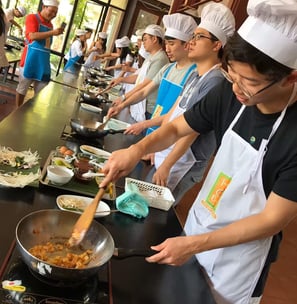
281 285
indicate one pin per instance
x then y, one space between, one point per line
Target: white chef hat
179 26
154 30
80 32
50 3
122 42
218 19
139 33
142 52
272 28
22 10
102 35
133 39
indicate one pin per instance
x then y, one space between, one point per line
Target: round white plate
91 108
94 151
70 200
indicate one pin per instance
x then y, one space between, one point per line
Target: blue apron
167 94
71 63
37 63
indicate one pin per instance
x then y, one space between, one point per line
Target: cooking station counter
37 125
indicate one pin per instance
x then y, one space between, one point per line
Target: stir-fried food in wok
59 254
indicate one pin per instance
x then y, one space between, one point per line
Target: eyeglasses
198 36
241 87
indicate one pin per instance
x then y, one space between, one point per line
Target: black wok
90 128
53 226
94 99
96 82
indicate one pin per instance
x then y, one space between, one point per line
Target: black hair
124 52
238 49
2 21
104 42
88 29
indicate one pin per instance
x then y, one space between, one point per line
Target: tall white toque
218 19
154 30
179 26
271 27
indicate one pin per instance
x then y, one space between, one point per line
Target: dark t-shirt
279 171
217 110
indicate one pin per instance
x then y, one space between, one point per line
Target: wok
54 225
93 99
96 82
90 128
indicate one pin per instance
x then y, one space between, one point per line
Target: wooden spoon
101 127
84 221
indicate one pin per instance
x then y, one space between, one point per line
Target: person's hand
173 251
114 110
120 163
58 31
149 158
114 81
161 175
136 128
117 102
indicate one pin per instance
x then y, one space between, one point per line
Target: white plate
91 108
94 151
115 124
102 210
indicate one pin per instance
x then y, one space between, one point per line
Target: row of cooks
249 195
231 218
54 106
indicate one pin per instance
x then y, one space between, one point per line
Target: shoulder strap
190 69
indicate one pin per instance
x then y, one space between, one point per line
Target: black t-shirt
279 171
218 109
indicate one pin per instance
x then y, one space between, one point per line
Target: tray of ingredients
77 172
19 168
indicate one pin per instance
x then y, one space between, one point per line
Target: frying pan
96 82
90 128
54 225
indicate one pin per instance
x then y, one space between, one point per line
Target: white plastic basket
157 196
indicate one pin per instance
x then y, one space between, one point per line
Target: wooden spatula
83 223
101 127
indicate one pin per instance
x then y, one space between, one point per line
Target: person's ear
217 46
291 79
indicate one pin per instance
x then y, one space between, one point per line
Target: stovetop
95 290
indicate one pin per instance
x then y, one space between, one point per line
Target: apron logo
216 192
157 111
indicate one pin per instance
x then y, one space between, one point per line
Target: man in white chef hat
169 81
12 13
35 60
249 194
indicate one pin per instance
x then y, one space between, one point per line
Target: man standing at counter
35 60
250 193
171 78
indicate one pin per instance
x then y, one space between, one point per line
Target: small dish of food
77 204
59 175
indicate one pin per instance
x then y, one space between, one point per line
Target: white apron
187 160
137 111
232 190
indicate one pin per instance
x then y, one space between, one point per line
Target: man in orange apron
35 60
250 193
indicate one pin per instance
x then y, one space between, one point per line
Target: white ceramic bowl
59 175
